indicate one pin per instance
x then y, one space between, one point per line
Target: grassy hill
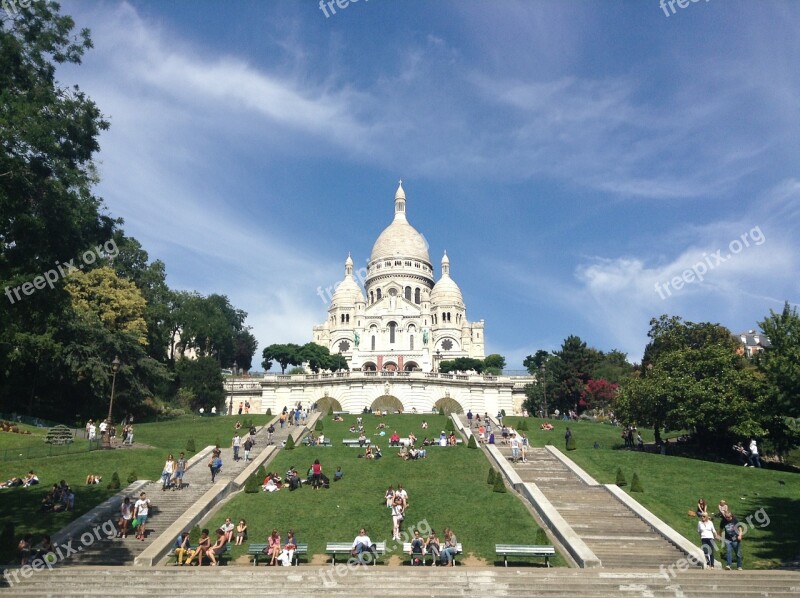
672 486
447 489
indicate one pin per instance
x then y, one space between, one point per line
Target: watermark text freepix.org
699 270
671 4
60 552
10 6
325 5
108 249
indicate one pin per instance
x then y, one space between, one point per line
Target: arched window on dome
347 318
408 293
373 342
378 294
392 328
371 297
416 296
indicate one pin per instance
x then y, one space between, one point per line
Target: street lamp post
543 370
115 365
438 360
339 363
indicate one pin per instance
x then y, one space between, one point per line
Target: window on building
378 294
408 293
411 342
416 296
392 327
373 342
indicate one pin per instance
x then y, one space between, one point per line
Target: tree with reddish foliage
600 393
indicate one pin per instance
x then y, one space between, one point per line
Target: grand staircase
403 581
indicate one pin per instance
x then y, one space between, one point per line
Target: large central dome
400 239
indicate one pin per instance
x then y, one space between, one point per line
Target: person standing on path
215 464
236 445
180 469
316 471
705 527
733 539
166 474
140 510
755 459
248 444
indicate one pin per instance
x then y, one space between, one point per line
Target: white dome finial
400 201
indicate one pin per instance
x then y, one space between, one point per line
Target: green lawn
446 489
21 505
672 486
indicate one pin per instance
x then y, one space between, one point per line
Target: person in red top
394 439
316 471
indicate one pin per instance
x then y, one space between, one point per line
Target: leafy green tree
284 355
461 364
48 212
780 364
202 376
534 362
694 380
494 364
245 345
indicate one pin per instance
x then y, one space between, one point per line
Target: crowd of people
59 498
29 479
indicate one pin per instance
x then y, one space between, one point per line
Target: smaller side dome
446 291
348 292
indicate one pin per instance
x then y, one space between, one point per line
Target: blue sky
569 156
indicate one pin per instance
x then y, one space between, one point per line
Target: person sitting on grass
376 452
227 528
394 439
24 549
93 479
338 418
381 426
338 474
362 440
203 545
12 483
424 425
271 484
30 479
218 548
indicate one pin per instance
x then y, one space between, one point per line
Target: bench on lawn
326 442
221 557
334 548
436 442
341 413
257 550
506 550
353 442
424 555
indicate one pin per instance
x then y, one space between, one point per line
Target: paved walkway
169 505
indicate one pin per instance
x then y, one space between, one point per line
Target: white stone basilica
403 320
394 332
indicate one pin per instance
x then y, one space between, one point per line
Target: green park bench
518 550
424 555
257 551
325 442
344 548
353 442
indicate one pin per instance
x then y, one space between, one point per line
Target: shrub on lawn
448 426
490 479
190 446
621 481
441 410
472 444
289 443
499 486
253 483
269 411
320 427
114 484
194 535
636 485
132 477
